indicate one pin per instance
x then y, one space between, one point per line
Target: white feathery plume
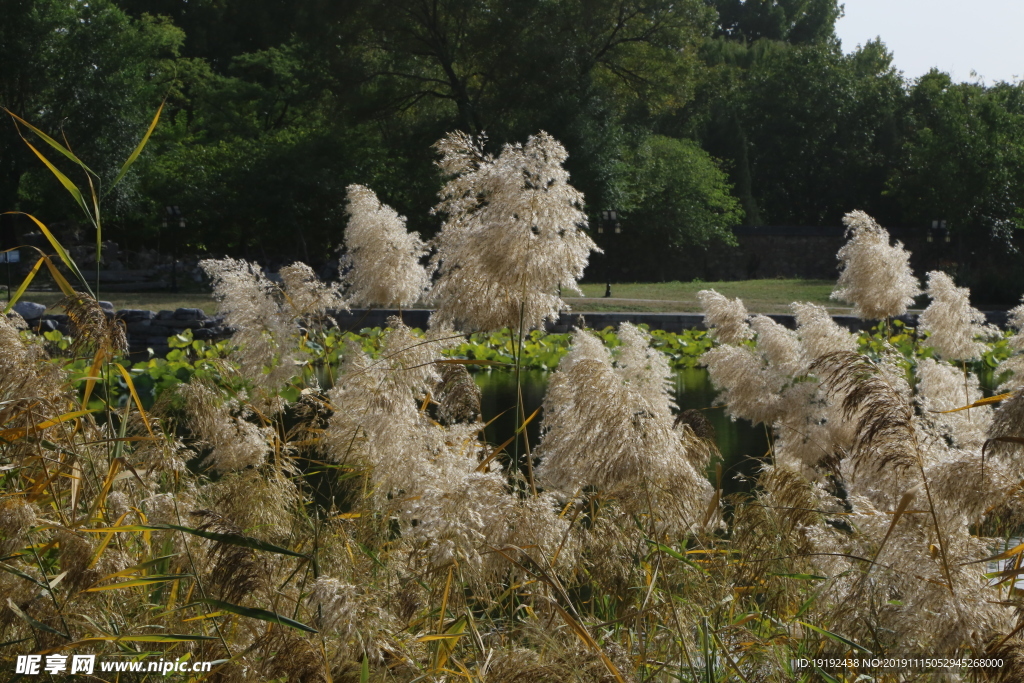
512 236
779 346
725 319
605 428
378 423
338 605
909 566
645 369
808 430
349 611
308 297
411 359
118 503
943 387
255 499
375 423
382 264
236 443
24 373
381 418
749 389
458 512
536 525
266 318
965 490
455 513
859 426
449 509
1008 421
16 517
876 277
952 322
1014 369
160 509
1015 319
263 332
819 333
1015 364
1012 372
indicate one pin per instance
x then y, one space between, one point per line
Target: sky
956 36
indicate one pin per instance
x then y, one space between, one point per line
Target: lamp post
174 213
8 247
939 226
609 220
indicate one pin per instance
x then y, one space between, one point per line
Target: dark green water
742 445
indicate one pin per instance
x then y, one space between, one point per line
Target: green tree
963 157
359 96
809 132
578 70
492 62
791 21
84 71
674 197
677 196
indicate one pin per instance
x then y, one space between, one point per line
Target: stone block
180 325
29 310
134 315
189 314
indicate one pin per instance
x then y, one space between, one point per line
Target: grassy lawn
760 296
152 301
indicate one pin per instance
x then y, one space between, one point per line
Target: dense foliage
688 116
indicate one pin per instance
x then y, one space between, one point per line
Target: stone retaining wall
150 330
670 322
145 329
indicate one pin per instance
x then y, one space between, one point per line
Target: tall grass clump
513 234
908 508
364 529
381 265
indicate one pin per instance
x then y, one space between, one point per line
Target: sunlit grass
151 301
760 296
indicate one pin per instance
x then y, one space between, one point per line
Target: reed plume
876 276
608 424
231 440
381 266
726 320
309 299
264 332
92 330
513 234
875 398
953 325
819 333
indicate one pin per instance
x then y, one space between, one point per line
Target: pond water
743 446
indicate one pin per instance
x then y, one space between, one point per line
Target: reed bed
366 531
